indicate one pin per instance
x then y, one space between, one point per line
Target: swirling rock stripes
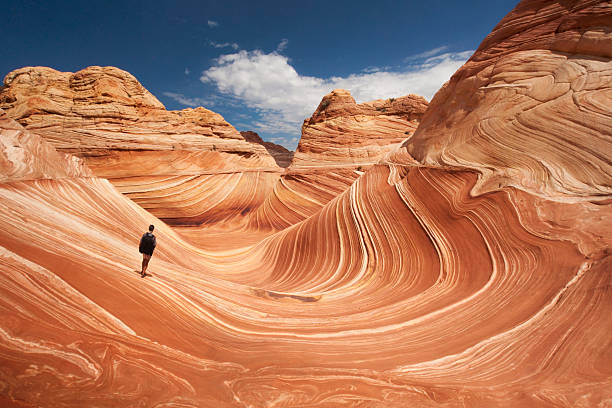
200 199
401 301
470 267
540 83
25 156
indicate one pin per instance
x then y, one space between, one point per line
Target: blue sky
263 65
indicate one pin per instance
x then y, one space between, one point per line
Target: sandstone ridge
104 115
342 132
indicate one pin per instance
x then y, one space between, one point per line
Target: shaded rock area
281 155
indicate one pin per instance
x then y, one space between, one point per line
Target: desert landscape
450 253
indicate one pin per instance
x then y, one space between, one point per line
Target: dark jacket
147 243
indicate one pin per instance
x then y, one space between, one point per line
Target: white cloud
426 54
187 71
189 101
375 69
212 24
282 45
224 45
283 98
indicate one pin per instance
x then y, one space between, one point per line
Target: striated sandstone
123 133
281 155
342 132
339 141
105 116
25 156
531 107
413 287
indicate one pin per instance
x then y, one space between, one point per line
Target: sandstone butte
343 132
468 267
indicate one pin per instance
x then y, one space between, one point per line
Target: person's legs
145 263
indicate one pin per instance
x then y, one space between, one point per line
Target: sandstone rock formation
339 141
531 106
342 132
452 273
158 158
281 155
24 156
104 114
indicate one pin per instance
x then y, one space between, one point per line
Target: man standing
147 245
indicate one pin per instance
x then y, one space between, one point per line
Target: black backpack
147 242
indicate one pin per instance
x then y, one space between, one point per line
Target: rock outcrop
25 156
342 132
449 274
104 115
158 158
339 142
531 107
281 155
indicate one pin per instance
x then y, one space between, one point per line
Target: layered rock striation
531 107
424 283
339 142
159 158
342 132
104 114
25 156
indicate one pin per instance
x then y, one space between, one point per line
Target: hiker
147 245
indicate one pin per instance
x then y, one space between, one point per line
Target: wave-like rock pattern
25 156
531 107
339 142
413 287
399 308
123 133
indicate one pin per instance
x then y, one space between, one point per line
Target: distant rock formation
340 141
340 131
158 158
105 116
282 155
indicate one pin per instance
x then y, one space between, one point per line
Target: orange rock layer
100 112
445 276
123 133
342 132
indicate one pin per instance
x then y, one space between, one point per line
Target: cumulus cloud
269 84
224 45
212 24
189 101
